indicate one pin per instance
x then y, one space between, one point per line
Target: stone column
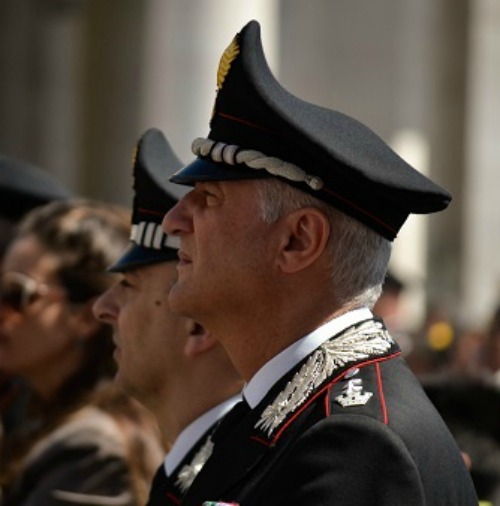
39 89
185 40
481 266
446 119
58 79
112 80
17 23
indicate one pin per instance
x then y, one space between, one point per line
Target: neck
251 340
192 396
47 379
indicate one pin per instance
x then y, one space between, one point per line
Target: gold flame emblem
225 62
134 155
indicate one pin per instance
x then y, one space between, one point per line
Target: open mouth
195 329
183 258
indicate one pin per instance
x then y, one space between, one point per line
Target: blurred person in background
471 410
80 442
492 350
169 363
23 186
389 308
464 389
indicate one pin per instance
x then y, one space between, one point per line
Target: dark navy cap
24 186
154 195
258 129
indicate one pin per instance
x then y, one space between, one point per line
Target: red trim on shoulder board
385 415
171 497
326 387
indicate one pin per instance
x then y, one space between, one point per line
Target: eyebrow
134 272
209 183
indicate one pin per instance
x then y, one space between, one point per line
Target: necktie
159 488
230 421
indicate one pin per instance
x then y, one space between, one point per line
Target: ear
83 321
199 340
305 236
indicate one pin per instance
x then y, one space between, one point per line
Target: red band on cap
150 211
245 122
360 209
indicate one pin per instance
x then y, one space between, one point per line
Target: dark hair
86 237
471 410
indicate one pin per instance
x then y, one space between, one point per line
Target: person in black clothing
284 245
169 363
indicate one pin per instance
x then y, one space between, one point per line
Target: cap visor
137 256
207 170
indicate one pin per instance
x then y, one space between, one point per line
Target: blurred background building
82 79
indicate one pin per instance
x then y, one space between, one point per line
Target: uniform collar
193 433
256 389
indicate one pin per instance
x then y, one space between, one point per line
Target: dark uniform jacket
349 425
82 462
169 490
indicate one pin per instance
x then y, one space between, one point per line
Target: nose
178 220
105 308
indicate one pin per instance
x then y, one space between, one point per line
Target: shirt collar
194 431
256 389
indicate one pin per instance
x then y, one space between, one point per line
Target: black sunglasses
18 290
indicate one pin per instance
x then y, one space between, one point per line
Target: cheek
33 340
20 337
135 325
242 251
53 323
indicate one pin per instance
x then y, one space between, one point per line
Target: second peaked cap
154 162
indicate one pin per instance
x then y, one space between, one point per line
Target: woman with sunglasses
81 442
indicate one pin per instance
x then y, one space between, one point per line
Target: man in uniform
169 363
284 245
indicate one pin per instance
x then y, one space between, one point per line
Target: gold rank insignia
226 59
225 62
134 154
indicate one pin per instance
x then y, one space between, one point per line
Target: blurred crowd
460 371
64 422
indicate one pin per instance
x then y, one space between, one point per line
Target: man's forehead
131 273
230 186
155 273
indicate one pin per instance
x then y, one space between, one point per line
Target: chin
121 382
180 301
126 386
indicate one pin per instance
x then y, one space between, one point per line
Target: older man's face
226 249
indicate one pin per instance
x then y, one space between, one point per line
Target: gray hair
358 255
